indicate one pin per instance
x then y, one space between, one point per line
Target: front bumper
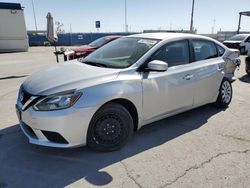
77 56
232 45
62 128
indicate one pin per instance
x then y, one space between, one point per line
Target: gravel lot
205 147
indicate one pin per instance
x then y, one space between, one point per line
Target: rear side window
174 53
204 50
220 49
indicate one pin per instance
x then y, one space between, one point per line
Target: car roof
112 36
164 36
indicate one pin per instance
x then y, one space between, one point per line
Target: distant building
13 34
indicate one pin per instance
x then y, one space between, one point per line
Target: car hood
232 41
84 48
66 76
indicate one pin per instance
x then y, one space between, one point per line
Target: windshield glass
120 53
99 42
238 37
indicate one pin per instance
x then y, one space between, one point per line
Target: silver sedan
102 99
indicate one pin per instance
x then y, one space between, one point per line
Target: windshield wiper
95 64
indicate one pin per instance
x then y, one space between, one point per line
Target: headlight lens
57 102
77 53
80 53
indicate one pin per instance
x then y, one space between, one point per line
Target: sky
142 14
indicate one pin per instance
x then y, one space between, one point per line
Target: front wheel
225 94
110 128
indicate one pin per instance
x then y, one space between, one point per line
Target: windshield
120 53
99 42
238 37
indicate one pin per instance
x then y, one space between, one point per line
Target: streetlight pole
238 30
213 27
34 14
126 19
192 16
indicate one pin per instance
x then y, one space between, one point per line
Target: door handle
188 77
220 69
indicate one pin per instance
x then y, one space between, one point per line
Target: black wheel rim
108 130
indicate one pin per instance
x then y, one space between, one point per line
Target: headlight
80 53
57 102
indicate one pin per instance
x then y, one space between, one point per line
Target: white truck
13 33
240 42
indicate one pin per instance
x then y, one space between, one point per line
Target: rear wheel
225 94
248 72
110 128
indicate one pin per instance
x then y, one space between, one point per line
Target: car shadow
27 165
245 78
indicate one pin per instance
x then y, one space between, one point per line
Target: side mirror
157 65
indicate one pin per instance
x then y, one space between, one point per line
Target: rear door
208 66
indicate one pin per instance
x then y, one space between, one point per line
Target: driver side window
174 53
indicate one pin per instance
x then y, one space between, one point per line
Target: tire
248 72
242 50
225 94
110 128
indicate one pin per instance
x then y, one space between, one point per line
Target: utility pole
34 14
213 27
170 27
70 34
126 19
192 20
238 30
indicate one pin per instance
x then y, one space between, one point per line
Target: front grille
29 130
55 137
25 96
232 45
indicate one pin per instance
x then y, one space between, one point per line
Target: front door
170 91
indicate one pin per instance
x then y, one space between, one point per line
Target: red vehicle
85 50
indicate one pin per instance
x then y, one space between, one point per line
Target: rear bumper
247 64
63 128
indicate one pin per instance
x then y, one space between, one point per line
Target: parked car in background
240 42
248 63
85 50
102 99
